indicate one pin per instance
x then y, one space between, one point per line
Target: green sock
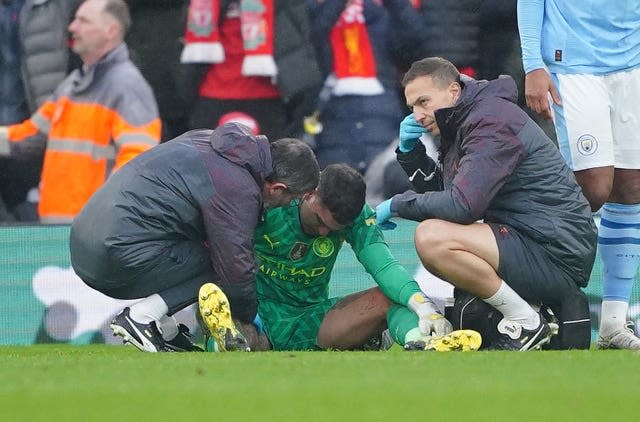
402 321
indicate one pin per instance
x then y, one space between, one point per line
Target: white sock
613 316
168 327
513 307
149 309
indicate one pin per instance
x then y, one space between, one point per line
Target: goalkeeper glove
410 133
430 320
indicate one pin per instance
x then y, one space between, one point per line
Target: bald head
98 27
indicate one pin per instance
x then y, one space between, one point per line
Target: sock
613 316
168 327
513 307
151 308
401 321
619 247
413 334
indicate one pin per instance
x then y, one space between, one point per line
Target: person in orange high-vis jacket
99 117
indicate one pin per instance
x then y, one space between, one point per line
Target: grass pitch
102 382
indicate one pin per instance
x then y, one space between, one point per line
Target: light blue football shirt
580 36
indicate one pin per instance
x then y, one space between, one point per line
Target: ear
311 195
114 29
275 188
455 90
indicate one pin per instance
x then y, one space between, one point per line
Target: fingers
538 86
409 119
438 326
413 131
539 104
426 328
555 95
446 327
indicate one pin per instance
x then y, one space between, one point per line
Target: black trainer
145 337
512 336
182 342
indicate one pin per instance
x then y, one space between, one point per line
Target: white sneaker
624 338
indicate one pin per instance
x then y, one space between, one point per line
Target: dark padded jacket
452 31
499 166
204 186
44 38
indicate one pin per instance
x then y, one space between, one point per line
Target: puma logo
272 244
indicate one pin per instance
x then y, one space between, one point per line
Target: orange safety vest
95 122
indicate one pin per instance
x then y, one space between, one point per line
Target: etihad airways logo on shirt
278 270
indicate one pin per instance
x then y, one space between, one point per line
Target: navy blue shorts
528 269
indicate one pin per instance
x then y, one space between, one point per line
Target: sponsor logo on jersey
323 247
298 251
280 271
270 242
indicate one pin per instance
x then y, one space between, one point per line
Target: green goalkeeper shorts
293 328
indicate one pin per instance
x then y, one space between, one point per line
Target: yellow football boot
459 340
216 316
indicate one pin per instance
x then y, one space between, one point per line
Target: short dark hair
442 71
342 191
295 165
119 10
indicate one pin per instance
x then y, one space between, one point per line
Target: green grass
101 382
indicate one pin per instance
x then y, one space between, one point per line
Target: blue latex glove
257 322
383 214
410 133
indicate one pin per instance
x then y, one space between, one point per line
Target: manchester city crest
323 247
587 145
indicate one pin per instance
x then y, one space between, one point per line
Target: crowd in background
330 73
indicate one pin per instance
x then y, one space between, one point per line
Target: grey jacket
203 187
44 37
499 166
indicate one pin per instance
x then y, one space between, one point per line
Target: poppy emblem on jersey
323 247
587 145
298 251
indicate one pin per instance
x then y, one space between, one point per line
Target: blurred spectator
34 59
500 46
98 118
250 56
359 43
243 118
155 43
452 29
499 40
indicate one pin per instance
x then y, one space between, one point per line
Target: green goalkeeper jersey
295 268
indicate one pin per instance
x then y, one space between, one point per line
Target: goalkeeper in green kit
297 246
